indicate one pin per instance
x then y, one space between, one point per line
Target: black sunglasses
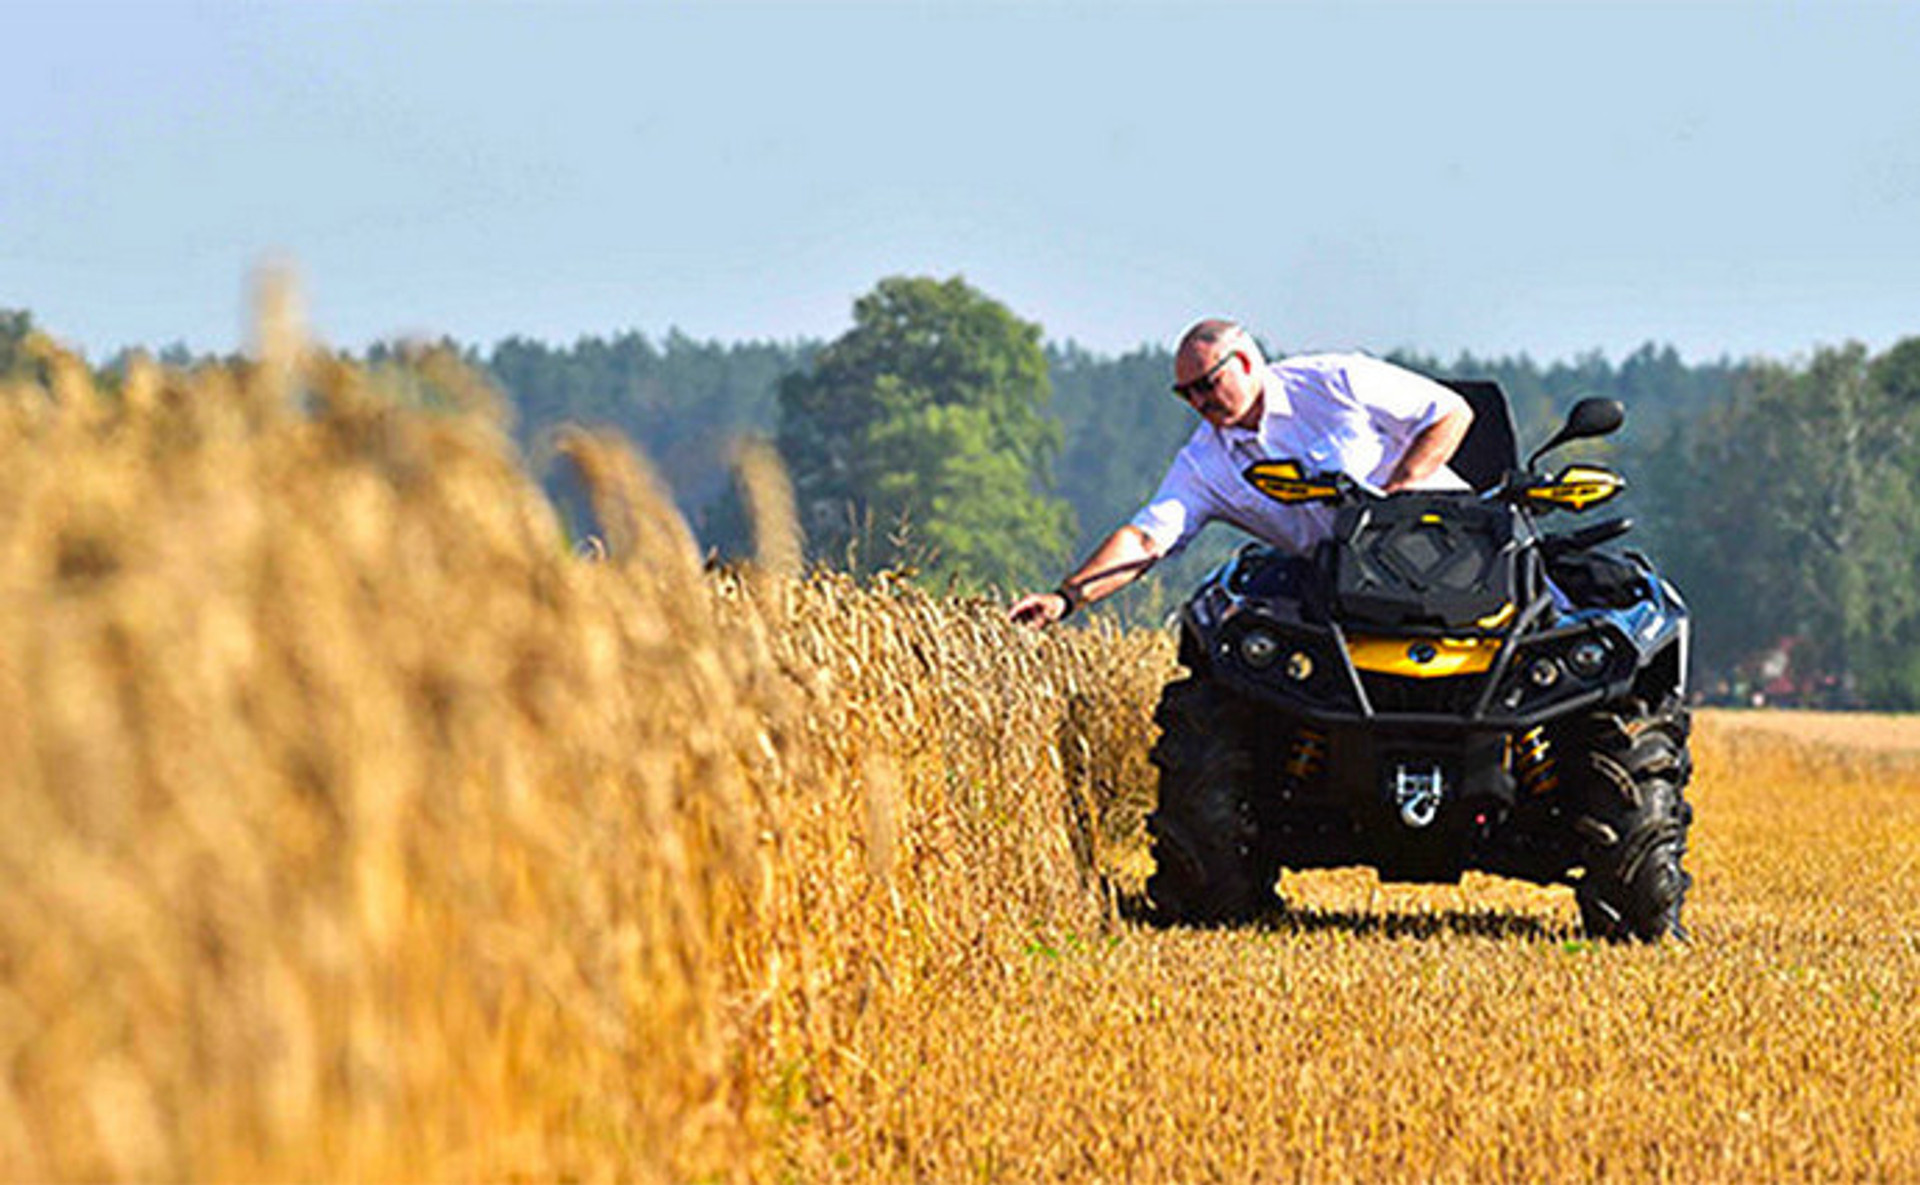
1206 382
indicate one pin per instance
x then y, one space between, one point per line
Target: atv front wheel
1633 821
1206 843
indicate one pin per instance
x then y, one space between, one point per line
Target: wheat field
357 828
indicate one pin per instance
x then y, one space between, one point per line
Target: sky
1733 179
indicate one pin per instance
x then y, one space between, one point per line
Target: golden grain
357 829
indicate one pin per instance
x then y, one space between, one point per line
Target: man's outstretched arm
1116 563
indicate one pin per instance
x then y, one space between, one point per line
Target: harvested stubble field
358 829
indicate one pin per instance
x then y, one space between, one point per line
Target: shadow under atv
1282 917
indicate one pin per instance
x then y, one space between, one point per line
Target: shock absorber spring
1307 756
1534 762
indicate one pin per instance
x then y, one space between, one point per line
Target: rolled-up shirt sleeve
1178 509
1402 404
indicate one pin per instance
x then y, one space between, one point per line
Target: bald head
1221 372
1207 339
1210 332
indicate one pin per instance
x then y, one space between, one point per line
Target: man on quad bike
1411 672
1341 412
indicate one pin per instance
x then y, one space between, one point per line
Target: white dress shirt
1331 412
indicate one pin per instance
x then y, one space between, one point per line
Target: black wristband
1066 594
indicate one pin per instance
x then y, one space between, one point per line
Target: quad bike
1442 686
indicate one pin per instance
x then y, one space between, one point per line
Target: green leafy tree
920 437
1805 487
1896 373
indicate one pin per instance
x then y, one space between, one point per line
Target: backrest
1489 452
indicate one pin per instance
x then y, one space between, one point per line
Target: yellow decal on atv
1283 482
1578 487
1421 658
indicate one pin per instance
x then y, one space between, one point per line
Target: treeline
1789 512
941 434
685 402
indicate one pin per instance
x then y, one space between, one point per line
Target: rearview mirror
1595 417
1589 418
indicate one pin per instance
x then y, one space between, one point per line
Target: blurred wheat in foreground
356 829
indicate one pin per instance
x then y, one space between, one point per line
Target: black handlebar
1585 537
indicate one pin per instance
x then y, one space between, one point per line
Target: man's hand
1039 610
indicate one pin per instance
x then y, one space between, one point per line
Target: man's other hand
1039 610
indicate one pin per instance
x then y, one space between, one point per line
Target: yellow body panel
1497 618
1452 656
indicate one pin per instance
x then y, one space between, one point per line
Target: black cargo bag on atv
1426 561
1595 578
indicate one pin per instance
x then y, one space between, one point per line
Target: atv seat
1489 452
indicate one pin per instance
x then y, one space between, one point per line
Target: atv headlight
1299 666
1258 649
1543 672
